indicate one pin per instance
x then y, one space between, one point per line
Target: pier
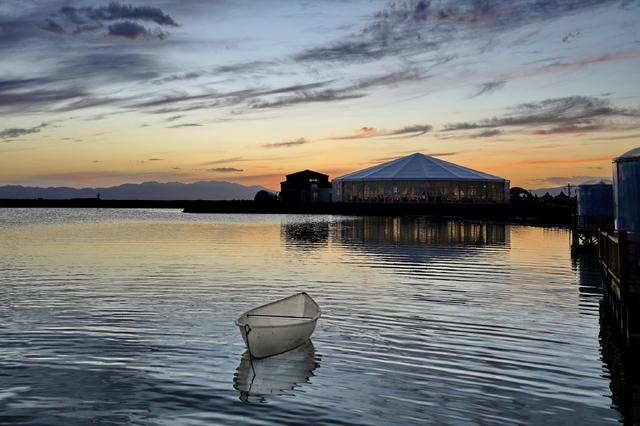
619 259
585 231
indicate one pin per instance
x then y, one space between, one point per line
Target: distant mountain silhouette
205 190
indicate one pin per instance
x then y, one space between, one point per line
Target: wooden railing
611 253
620 261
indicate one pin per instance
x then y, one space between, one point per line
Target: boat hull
266 341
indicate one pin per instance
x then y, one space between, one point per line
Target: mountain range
204 190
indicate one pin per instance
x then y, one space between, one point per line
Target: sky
99 93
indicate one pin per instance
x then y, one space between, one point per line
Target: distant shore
513 213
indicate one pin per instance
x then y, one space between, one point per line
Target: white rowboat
279 326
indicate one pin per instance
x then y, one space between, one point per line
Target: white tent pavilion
420 178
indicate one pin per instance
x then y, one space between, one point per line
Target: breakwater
516 213
520 213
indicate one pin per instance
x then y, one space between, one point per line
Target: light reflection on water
126 316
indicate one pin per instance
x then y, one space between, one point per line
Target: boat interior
292 310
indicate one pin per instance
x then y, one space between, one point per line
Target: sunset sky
540 92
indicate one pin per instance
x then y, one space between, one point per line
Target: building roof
419 167
306 172
597 182
633 154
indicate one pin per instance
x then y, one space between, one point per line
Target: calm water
126 317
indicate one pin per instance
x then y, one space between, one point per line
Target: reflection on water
589 276
127 317
256 379
621 361
624 372
311 233
419 231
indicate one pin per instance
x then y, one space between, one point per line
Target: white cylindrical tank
595 198
626 193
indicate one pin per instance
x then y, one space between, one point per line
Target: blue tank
626 193
595 198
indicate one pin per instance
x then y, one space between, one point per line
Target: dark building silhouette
306 186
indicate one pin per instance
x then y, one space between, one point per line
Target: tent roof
419 167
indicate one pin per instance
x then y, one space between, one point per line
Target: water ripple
126 317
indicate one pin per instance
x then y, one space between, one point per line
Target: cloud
352 51
489 87
305 98
563 180
179 102
15 132
52 26
174 117
287 144
415 27
370 132
592 60
559 161
191 75
20 84
110 65
124 21
569 113
411 131
39 96
443 154
223 161
130 30
393 78
622 137
86 102
432 154
103 175
487 133
116 11
569 130
87 28
176 126
361 133
276 97
242 67
567 38
74 79
225 170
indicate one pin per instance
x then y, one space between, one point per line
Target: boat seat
277 316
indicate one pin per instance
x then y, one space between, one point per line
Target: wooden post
623 258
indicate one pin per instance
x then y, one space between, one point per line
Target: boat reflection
276 375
